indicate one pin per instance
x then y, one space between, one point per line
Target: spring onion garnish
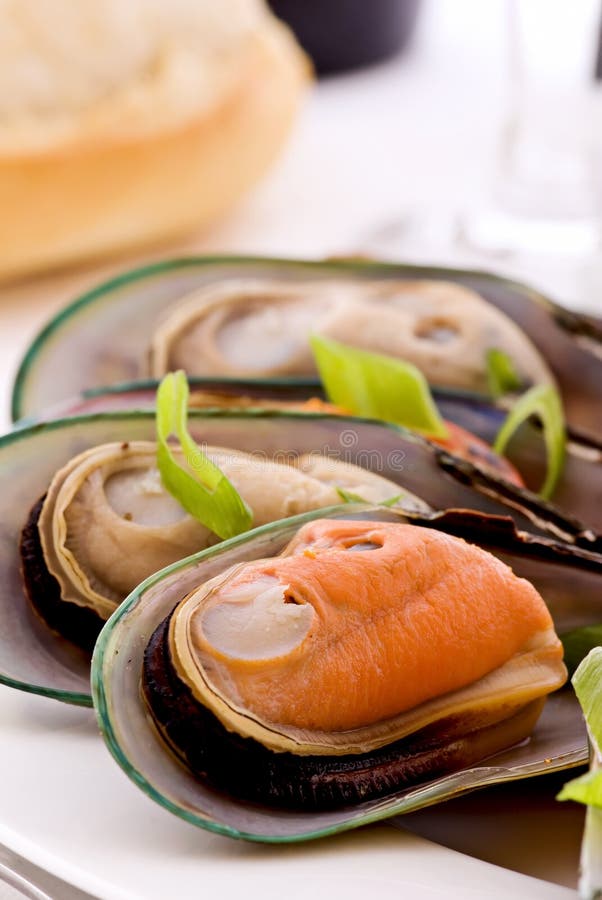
587 789
543 401
350 497
199 486
501 373
577 644
377 387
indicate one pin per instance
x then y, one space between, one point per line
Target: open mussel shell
104 337
578 491
558 741
579 488
206 393
35 659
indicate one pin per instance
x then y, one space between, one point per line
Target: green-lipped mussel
107 522
578 491
260 328
567 578
34 657
328 676
252 316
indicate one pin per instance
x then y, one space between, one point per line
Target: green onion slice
543 401
377 387
587 682
577 644
587 789
199 486
502 375
350 497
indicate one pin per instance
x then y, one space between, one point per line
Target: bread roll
123 123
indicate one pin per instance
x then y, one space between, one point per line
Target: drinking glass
537 213
546 193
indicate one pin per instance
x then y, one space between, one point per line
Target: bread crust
99 195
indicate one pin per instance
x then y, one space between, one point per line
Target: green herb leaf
392 501
350 497
199 486
577 644
543 401
587 789
377 387
587 682
502 375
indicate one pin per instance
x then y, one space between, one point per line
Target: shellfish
578 491
35 658
567 578
261 328
107 522
107 334
329 676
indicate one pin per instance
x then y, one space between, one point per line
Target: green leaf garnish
199 486
587 682
377 387
543 401
392 501
587 789
577 644
502 375
350 497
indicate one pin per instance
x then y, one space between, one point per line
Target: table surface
376 155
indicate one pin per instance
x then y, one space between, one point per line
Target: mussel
578 491
32 655
365 657
121 329
107 522
567 578
258 328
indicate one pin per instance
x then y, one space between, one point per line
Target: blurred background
446 131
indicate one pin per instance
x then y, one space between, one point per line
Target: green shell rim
101 707
77 698
198 383
168 265
195 381
151 384
142 384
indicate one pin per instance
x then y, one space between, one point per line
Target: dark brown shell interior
79 624
244 768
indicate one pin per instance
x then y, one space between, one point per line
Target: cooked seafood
106 522
281 397
106 334
367 656
259 328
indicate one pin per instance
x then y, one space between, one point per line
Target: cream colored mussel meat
107 522
261 328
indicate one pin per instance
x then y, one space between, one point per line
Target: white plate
67 807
